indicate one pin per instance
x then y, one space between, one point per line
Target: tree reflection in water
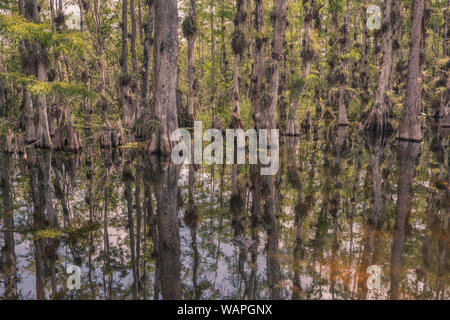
140 227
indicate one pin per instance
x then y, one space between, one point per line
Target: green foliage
61 87
64 88
352 54
297 86
18 29
47 234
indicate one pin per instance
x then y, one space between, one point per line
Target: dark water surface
143 228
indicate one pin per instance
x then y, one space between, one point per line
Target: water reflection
407 156
142 228
8 254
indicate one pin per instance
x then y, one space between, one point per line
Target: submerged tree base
112 135
292 128
410 132
378 123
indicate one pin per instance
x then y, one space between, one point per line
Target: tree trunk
342 115
307 56
342 111
30 130
255 96
148 28
268 112
138 226
410 124
134 78
100 48
238 44
258 64
273 64
165 73
223 53
190 32
292 128
7 253
133 37
213 62
444 112
128 178
34 60
125 78
378 121
407 156
445 48
140 20
43 132
168 227
364 82
85 75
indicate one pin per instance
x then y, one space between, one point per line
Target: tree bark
268 112
407 155
7 253
273 64
86 77
365 62
165 73
342 111
190 30
128 178
213 62
125 78
148 28
444 112
135 88
258 64
307 56
133 37
410 124
168 227
100 47
238 45
378 121
34 58
292 128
